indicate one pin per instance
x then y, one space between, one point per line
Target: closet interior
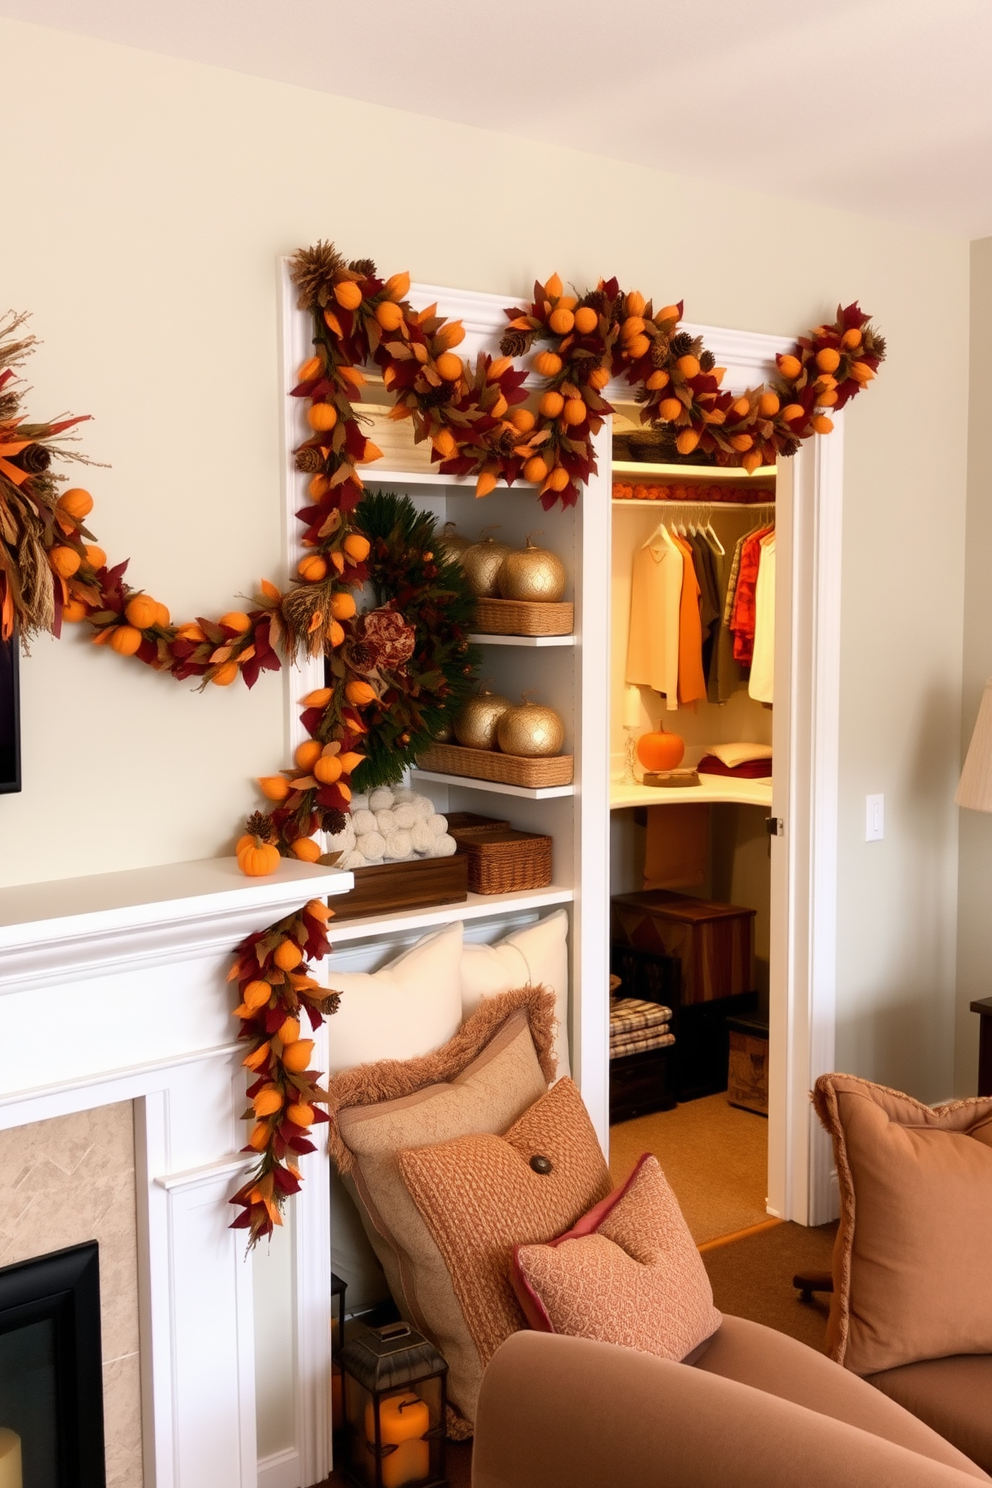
692 630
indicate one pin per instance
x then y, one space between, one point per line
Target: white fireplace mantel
114 987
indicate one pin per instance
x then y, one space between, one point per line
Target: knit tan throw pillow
482 1195
627 1273
494 1068
914 1249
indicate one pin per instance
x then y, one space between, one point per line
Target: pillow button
540 1164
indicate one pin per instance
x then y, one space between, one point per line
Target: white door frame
802 1012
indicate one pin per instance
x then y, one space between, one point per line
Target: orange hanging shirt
692 683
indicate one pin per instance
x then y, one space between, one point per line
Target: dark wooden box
747 1077
641 1083
712 942
388 887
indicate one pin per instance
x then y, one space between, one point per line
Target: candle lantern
395 1396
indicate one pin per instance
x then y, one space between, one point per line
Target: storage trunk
747 1079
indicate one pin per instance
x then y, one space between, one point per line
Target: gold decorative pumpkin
531 730
452 544
532 573
475 723
482 562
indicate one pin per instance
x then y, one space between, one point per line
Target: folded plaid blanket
628 1013
640 1040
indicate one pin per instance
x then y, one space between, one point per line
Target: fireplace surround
113 989
51 1367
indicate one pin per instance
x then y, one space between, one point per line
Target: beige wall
153 197
974 918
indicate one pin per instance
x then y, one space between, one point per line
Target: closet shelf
475 907
512 640
528 792
695 474
712 788
714 506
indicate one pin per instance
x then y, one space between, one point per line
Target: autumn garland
51 569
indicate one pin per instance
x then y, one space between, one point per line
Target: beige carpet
714 1155
752 1278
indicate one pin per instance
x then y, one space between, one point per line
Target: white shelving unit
509 640
475 907
494 787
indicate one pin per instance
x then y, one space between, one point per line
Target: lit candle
403 1421
10 1459
632 707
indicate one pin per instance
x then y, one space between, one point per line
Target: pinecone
681 344
788 447
312 270
309 459
364 266
597 301
873 343
435 397
660 350
259 825
335 821
619 311
707 362
513 343
503 441
35 459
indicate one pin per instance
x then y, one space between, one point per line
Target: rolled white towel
385 822
359 801
363 823
421 837
404 816
423 807
399 845
380 799
438 824
403 793
354 859
373 845
444 846
342 842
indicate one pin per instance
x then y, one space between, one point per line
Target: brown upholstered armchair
756 1410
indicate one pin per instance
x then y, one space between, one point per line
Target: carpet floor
714 1155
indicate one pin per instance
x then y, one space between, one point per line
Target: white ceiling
877 106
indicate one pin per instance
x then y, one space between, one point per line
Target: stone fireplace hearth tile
122 1422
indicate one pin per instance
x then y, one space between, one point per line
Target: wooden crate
387 887
747 1078
713 942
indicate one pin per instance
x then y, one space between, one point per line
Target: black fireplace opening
51 1369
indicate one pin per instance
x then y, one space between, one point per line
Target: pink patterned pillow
627 1273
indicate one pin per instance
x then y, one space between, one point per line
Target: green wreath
411 650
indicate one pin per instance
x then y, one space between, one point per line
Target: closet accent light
975 787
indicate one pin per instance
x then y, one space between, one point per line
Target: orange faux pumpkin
296 1056
258 858
287 955
660 751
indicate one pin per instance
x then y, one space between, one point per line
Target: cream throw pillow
537 954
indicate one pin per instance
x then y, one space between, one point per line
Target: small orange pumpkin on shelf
660 750
257 856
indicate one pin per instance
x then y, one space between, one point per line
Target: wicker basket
504 861
502 769
460 822
523 617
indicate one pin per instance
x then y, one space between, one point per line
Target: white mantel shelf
107 920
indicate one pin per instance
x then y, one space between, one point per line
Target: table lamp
975 791
975 786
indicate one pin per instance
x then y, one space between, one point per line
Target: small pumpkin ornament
476 722
660 750
482 562
532 730
257 856
532 574
452 544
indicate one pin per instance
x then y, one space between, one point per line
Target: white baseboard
281 1470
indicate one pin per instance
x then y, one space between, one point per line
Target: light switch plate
874 818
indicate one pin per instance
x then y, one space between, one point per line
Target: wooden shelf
511 640
695 474
660 503
711 788
475 907
529 793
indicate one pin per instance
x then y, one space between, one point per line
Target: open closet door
801 1184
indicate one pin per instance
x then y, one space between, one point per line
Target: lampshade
975 786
